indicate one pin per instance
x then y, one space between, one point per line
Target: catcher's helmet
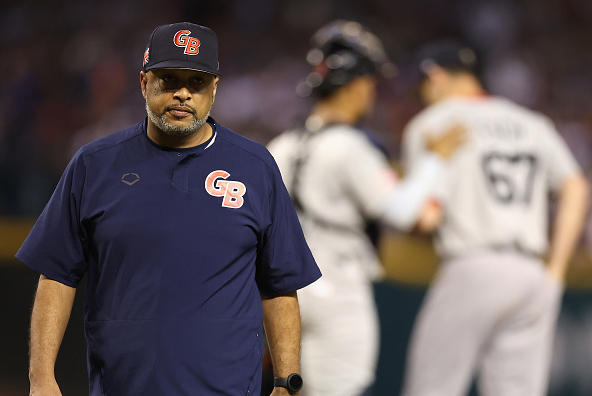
341 51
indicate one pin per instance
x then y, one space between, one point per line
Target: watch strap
293 382
280 382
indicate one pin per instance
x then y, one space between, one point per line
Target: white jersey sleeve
414 150
366 174
559 155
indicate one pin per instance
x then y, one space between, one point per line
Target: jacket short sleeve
55 247
284 261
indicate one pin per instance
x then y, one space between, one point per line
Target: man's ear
143 82
215 88
438 75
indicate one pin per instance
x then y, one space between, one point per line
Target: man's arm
571 213
408 204
282 328
51 313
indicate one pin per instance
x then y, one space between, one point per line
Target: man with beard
188 239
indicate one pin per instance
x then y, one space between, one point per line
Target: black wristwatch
293 382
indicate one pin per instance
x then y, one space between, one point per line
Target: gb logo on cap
146 56
191 44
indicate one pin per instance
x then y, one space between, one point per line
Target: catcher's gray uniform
492 306
338 180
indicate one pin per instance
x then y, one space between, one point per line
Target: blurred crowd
71 69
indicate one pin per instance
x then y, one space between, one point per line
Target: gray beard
172 130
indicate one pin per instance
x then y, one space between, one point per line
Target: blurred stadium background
70 75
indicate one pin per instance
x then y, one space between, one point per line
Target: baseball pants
340 337
491 314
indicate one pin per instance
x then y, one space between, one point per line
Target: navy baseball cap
449 54
182 46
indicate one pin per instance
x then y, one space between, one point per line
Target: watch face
294 382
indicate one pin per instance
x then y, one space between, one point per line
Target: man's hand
430 218
446 144
556 272
282 392
45 388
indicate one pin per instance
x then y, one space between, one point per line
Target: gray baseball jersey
346 181
340 180
498 195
